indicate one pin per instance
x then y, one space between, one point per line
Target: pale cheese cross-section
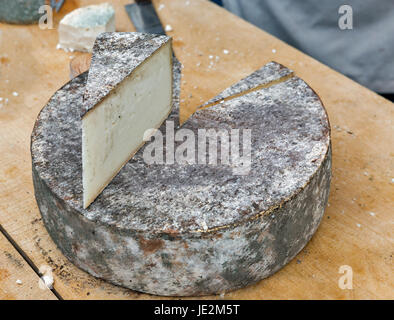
113 130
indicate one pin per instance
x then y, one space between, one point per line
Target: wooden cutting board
357 229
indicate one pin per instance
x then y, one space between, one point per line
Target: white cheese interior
113 131
78 30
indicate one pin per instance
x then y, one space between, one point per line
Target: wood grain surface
216 49
17 278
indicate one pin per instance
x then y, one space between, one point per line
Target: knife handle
141 1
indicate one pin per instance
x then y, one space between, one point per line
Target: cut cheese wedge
128 92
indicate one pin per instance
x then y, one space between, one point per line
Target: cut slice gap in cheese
262 86
270 74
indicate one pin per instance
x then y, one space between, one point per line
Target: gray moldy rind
115 56
144 231
21 11
192 264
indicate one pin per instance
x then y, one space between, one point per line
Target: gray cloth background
365 54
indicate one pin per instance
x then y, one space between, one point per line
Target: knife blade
57 4
143 15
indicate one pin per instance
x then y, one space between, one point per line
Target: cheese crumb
372 214
225 51
47 280
210 57
18 281
15 94
161 6
273 50
168 28
358 225
204 225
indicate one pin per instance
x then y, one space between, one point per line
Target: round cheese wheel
188 228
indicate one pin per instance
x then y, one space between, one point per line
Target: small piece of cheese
129 91
78 30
